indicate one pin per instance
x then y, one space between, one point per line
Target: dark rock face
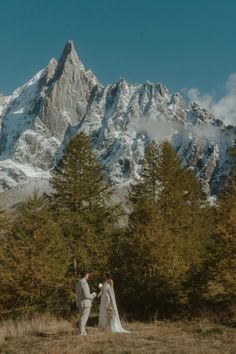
39 118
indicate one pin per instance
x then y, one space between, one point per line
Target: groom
83 300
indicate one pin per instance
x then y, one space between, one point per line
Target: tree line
176 255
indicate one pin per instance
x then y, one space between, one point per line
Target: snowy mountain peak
68 58
200 115
68 92
51 67
158 87
40 117
48 73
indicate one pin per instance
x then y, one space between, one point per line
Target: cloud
206 100
210 132
161 130
157 129
225 107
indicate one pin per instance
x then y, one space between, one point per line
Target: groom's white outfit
83 302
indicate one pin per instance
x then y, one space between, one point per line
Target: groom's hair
83 273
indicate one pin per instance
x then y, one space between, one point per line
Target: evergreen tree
177 194
150 264
5 231
5 223
222 287
166 239
221 290
34 262
80 200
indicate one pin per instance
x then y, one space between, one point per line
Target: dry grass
47 335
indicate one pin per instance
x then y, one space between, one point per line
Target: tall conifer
166 237
222 287
80 200
34 263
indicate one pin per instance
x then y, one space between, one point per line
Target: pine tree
5 223
222 288
177 193
80 199
5 232
149 264
165 240
34 262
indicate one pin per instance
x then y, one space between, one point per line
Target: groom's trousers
84 315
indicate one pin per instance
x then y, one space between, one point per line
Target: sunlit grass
46 334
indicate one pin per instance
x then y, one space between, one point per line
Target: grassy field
48 335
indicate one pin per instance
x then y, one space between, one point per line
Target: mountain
40 117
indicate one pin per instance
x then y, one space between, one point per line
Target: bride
109 319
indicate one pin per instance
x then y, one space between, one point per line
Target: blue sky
181 43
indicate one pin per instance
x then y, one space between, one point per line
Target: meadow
49 335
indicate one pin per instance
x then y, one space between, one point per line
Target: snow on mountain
40 117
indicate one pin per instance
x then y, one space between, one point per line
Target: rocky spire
68 93
48 74
68 58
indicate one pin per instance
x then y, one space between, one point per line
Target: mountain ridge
40 117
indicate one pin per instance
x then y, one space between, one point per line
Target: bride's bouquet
110 311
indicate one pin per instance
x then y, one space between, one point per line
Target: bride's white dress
109 320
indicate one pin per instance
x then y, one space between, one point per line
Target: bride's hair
108 276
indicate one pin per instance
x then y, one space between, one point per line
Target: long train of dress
109 320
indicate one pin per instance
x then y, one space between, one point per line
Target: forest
172 253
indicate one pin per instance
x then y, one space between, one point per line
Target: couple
109 319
